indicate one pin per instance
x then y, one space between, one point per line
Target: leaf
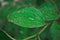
27 17
55 31
11 29
49 11
27 33
3 36
46 34
3 13
7 10
18 32
15 31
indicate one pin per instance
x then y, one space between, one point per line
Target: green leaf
27 17
26 32
18 32
11 29
49 11
3 13
46 34
15 31
55 31
3 36
7 10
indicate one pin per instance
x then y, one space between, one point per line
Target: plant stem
38 33
8 35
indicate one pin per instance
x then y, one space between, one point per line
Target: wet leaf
27 17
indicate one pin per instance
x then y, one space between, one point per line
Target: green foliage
49 11
18 32
27 17
30 20
55 31
3 36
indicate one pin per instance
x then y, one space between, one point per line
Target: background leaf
49 11
55 31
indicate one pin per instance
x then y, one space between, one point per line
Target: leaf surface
27 17
49 11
